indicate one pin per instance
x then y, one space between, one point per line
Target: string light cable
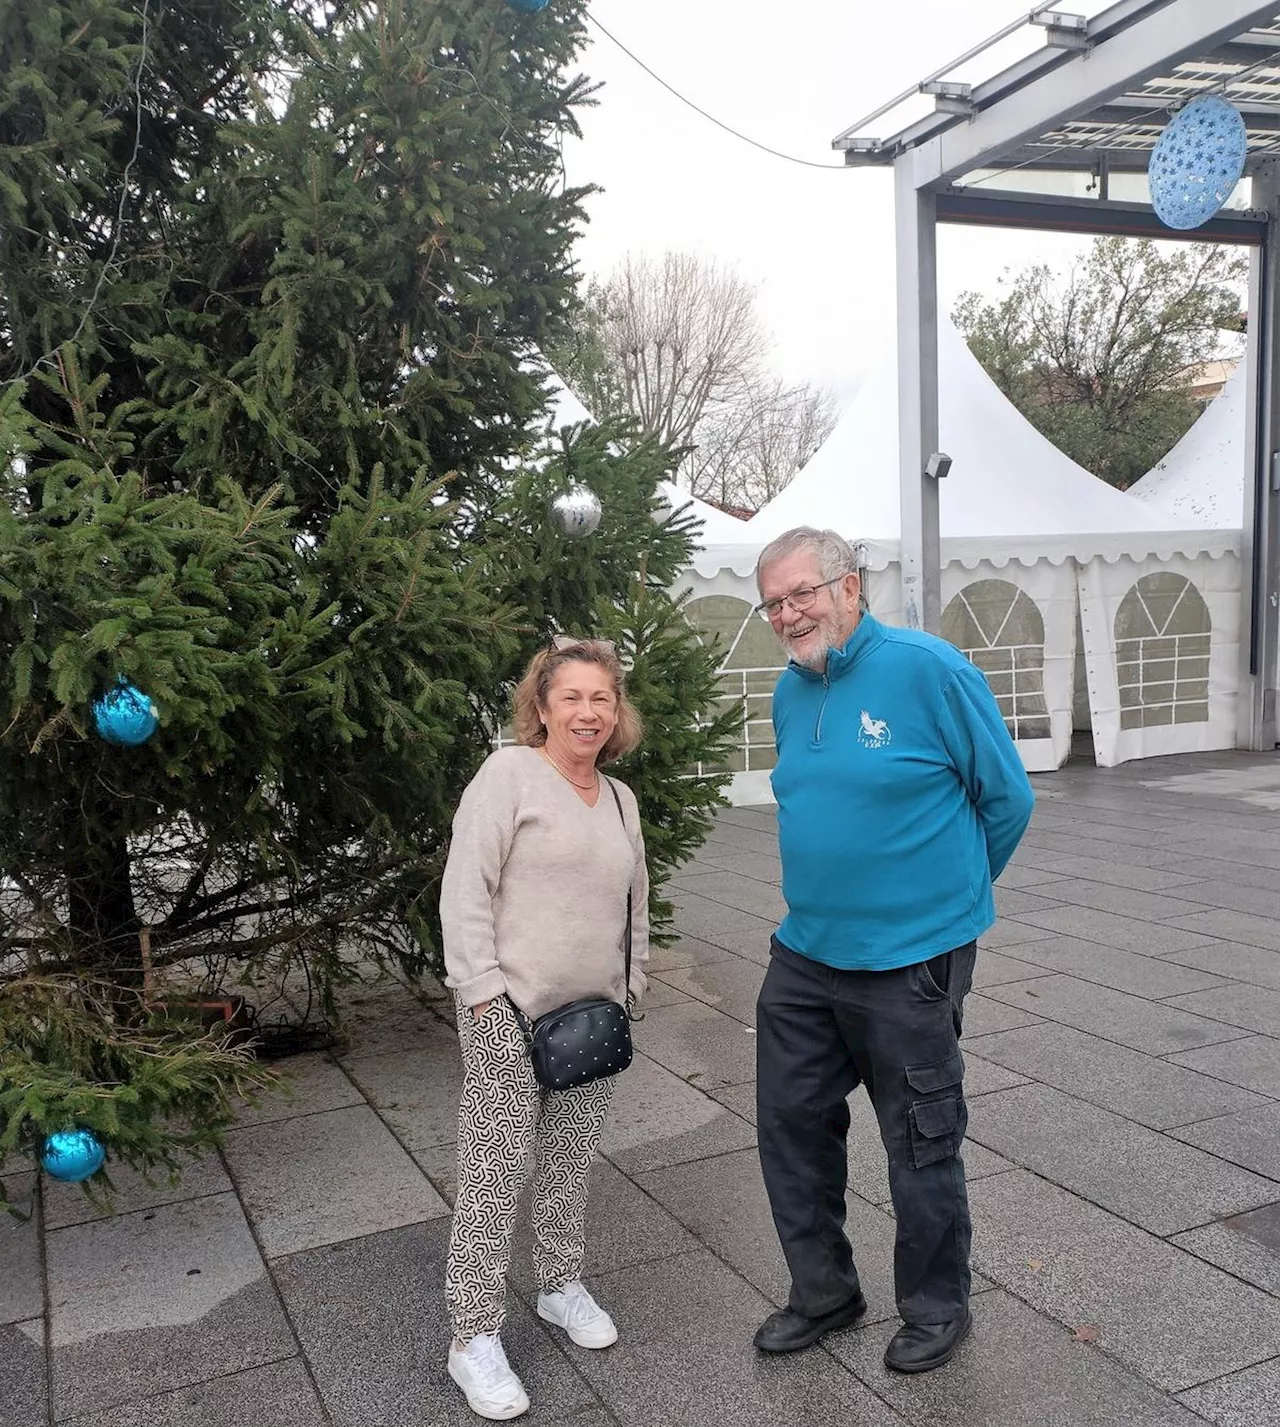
711 118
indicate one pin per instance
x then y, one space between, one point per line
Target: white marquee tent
1040 559
1201 481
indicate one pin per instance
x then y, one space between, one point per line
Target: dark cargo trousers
821 1033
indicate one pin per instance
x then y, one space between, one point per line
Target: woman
534 912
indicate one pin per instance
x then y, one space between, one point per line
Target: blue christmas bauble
125 716
528 7
73 1155
1197 162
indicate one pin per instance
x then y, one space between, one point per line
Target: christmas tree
274 281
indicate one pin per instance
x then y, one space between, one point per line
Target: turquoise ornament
73 1155
125 716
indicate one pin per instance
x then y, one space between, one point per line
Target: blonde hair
533 689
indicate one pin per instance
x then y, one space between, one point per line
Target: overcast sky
792 75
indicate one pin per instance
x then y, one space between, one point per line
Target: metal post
1260 581
921 557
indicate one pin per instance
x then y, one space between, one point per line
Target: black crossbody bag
585 1040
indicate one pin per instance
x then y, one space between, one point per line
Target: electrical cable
745 138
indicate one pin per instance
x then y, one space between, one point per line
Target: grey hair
835 555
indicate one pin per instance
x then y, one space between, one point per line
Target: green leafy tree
1099 361
274 281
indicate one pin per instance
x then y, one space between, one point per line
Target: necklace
595 781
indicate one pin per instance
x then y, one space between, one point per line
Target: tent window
752 661
1163 634
1000 629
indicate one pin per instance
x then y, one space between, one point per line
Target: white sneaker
574 1310
482 1372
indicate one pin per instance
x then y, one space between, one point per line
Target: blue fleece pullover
900 798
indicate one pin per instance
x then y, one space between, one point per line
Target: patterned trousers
508 1124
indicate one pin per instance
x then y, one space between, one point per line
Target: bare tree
1098 358
747 452
677 343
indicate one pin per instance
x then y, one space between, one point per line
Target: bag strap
626 985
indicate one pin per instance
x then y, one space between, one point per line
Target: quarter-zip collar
868 634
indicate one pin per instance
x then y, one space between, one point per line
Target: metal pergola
1092 100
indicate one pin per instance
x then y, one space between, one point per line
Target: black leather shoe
787 1331
921 1347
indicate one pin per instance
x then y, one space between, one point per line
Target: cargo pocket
938 1115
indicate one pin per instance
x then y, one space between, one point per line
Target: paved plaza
1123 1052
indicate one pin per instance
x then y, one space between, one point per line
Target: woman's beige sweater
534 898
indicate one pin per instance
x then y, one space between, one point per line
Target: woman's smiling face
580 713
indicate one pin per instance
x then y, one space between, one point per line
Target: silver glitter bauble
577 511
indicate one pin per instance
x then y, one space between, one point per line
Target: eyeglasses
799 600
561 642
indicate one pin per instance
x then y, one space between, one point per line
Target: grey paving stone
1237 873
983 1077
1074 843
152 1301
1245 1399
1154 1027
1247 1246
984 1016
723 1202
371 1319
1234 962
1016 1369
1248 898
1250 1008
24 1399
1123 900
696 1312
1135 1172
729 986
698 1044
310 1083
686 951
1118 872
323 1178
993 968
440 1164
280 1393
1144 976
384 1017
68 1203
744 894
1011 933
659 993
763 866
1253 1062
1012 903
1228 925
741 1099
1249 1137
1140 1087
729 837
1021 877
1112 929
415 1089
659 1119
21 1292
1168 1316
725 927
624 1227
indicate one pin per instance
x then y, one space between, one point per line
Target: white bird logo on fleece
874 732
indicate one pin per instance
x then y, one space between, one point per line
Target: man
901 797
